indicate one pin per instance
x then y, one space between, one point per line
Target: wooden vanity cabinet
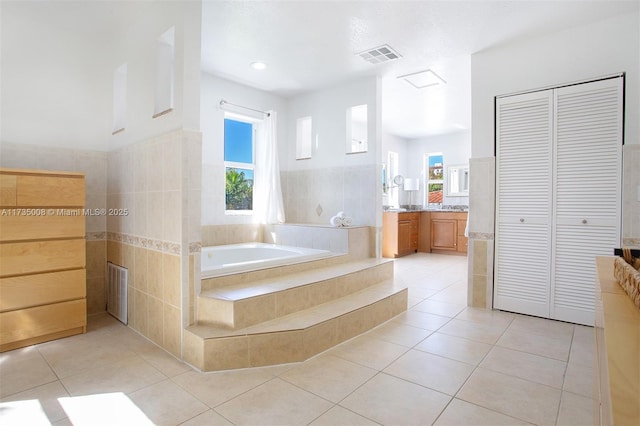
400 233
447 232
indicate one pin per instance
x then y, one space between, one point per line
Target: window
239 163
433 165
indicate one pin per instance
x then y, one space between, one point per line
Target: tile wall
481 231
314 196
156 185
94 165
631 195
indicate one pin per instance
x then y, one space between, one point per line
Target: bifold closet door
524 151
558 197
587 192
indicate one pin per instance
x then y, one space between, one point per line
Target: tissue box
628 278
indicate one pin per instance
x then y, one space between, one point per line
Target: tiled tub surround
94 166
290 313
357 241
314 196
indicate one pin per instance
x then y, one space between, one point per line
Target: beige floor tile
208 418
164 362
419 292
485 333
550 328
456 348
535 368
74 355
576 410
275 402
113 408
422 319
515 397
23 369
582 346
452 294
23 412
439 308
392 401
329 377
219 387
579 380
369 352
537 344
435 372
399 334
128 375
462 413
341 416
46 396
166 403
486 316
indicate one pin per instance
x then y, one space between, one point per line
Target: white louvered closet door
524 203
587 189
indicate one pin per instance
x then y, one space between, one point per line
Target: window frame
427 177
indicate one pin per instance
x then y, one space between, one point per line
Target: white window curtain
267 191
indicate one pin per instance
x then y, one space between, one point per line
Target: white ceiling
309 45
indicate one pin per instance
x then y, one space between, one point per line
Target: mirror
458 180
357 129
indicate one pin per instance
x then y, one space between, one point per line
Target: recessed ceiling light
258 65
379 54
422 79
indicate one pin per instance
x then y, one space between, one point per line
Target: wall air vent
422 79
380 54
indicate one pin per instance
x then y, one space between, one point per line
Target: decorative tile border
195 247
95 236
148 243
481 235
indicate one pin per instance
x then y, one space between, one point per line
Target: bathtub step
273 272
296 336
242 305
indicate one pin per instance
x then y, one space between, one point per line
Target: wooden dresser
42 256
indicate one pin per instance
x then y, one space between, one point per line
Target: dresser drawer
16 227
27 291
41 256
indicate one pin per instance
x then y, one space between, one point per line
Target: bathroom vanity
428 231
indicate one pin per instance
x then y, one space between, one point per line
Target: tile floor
439 363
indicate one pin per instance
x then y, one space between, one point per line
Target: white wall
212 123
137 48
580 53
328 110
399 145
455 149
55 84
57 74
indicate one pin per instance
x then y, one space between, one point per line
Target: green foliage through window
238 190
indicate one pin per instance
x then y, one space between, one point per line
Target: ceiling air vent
380 54
422 79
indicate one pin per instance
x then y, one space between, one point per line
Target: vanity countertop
430 209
